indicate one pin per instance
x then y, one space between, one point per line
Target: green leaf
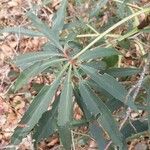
124 43
21 30
74 24
70 40
97 53
25 60
107 121
139 126
122 9
81 104
90 104
103 93
99 65
47 125
109 84
111 61
146 30
37 86
50 48
98 134
114 104
78 123
146 85
37 108
59 21
42 27
97 7
65 113
122 72
46 2
32 71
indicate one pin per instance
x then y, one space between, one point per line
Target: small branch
8 146
73 144
30 140
92 28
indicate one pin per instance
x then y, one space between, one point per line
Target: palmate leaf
47 125
21 30
26 60
36 109
97 53
32 71
109 84
65 112
42 27
101 112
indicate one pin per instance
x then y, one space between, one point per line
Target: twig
73 145
30 140
8 146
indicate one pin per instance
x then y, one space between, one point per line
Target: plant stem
96 35
92 28
109 30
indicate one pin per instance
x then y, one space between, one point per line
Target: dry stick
136 89
8 146
30 140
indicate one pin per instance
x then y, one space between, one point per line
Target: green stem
130 33
109 30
